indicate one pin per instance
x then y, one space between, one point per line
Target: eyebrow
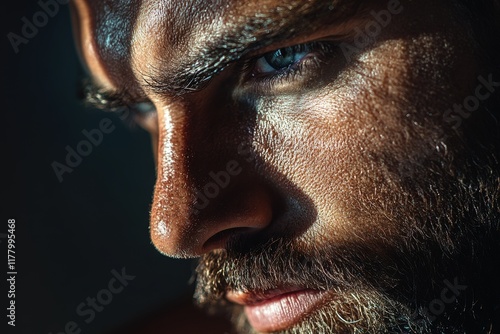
263 29
258 32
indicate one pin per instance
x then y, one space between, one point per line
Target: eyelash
320 52
121 104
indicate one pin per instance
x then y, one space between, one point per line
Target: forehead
120 35
115 22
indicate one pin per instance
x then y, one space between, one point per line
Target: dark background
71 235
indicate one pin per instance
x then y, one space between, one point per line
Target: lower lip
283 311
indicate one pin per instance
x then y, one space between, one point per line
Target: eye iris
285 57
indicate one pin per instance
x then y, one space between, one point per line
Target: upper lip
254 297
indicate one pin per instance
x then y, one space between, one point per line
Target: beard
352 281
438 276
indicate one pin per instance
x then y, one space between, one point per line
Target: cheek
338 145
347 146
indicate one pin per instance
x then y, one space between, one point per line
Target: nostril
220 239
235 218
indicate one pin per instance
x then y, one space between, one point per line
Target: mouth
278 309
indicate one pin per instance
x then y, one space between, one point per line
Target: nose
205 193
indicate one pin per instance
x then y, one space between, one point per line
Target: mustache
279 263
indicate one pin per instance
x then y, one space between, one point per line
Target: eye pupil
284 57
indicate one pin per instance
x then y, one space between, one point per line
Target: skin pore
348 182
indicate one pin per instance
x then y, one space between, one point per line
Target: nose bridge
203 194
169 211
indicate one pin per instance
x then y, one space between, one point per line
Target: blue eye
293 64
144 108
281 59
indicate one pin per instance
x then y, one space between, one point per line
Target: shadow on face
328 128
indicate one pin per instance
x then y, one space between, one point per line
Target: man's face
305 151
